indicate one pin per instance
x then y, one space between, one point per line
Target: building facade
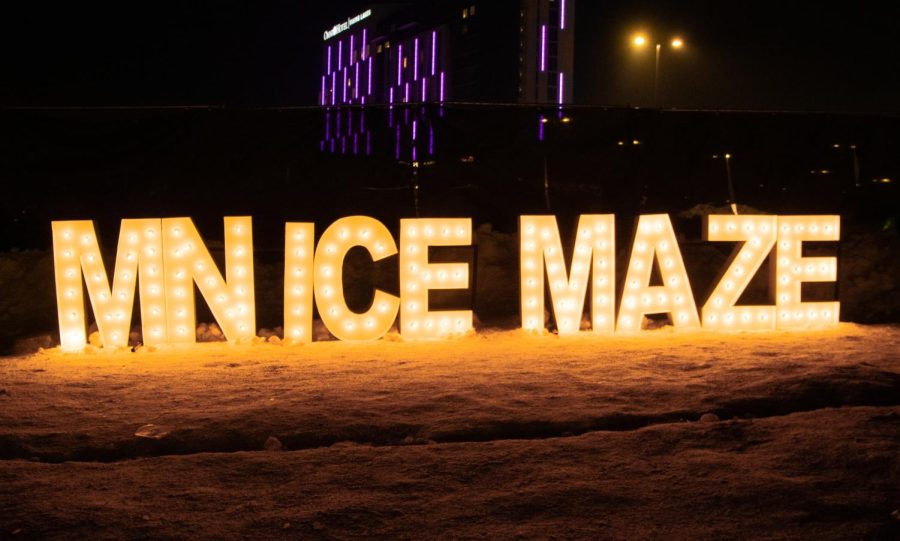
497 51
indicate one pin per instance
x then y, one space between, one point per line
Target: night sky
757 55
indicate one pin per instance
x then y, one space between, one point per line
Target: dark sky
740 54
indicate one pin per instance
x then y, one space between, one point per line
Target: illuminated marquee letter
75 248
298 282
654 240
336 241
758 236
187 260
418 276
540 247
792 269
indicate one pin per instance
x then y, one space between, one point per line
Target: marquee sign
167 257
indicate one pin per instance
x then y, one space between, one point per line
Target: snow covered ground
499 435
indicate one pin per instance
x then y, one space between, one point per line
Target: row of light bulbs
169 256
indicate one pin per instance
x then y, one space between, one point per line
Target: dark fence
490 163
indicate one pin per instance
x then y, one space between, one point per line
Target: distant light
544 120
677 43
728 156
884 180
639 40
636 142
621 143
836 145
565 120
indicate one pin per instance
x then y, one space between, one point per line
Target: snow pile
500 435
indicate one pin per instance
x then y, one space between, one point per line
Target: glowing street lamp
639 40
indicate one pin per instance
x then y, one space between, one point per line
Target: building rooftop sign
342 27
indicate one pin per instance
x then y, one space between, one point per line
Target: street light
639 40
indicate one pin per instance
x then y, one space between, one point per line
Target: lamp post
638 42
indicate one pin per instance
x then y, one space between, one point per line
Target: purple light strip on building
414 156
340 54
391 96
327 124
399 65
350 56
562 15
561 93
323 90
433 52
541 120
424 88
415 129
441 93
356 83
406 94
397 144
329 60
333 87
355 143
362 50
543 47
431 140
370 76
344 84
416 60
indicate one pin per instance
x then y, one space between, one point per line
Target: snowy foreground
499 435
